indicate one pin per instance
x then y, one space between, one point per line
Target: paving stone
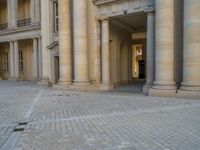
72 120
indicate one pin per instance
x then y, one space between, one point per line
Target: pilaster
16 60
12 65
35 58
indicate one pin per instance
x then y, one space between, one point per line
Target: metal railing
24 22
3 26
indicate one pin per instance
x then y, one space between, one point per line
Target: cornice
21 29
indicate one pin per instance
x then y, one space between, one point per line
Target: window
139 50
20 61
5 61
56 18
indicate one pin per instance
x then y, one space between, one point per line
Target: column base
44 82
89 87
64 82
162 93
15 79
81 83
106 86
190 86
36 79
11 79
188 94
163 89
163 85
146 88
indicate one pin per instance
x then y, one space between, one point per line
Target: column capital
149 11
103 18
34 38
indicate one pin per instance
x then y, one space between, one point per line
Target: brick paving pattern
72 120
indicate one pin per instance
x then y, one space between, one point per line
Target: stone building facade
102 44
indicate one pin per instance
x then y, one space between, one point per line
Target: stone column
65 48
12 6
97 66
150 51
80 42
105 52
164 45
130 76
16 59
46 40
12 68
35 58
39 58
191 58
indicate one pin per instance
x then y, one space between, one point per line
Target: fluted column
150 51
164 45
35 58
16 59
105 52
12 6
80 42
191 58
12 65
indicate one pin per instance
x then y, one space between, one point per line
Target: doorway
56 69
141 69
128 52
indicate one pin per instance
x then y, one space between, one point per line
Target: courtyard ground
38 118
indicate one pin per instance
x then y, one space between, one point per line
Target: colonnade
14 59
191 53
74 67
164 47
160 46
12 7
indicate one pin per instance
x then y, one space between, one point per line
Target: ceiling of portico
133 22
2 1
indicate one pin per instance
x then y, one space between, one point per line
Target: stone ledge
189 94
90 87
146 89
162 93
174 93
44 83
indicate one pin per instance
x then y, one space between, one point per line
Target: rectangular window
5 61
20 61
56 17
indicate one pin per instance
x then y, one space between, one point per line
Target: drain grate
20 127
22 123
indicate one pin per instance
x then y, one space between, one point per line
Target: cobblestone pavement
14 100
72 120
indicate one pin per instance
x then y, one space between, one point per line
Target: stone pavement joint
72 120
9 144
